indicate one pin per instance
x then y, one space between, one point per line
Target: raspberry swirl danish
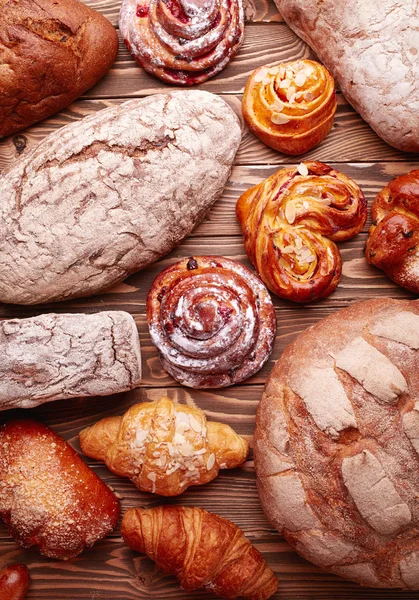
212 321
290 222
184 42
291 106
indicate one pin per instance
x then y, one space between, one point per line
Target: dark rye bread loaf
371 49
51 357
110 194
337 444
50 53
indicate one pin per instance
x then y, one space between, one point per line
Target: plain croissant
201 549
164 447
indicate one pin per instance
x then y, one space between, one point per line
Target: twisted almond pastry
212 321
290 222
291 106
393 241
201 549
164 447
182 41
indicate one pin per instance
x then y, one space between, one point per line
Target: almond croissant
164 447
201 549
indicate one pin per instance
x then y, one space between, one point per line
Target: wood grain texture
109 570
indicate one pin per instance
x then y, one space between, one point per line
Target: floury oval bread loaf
112 193
372 49
337 444
50 53
51 357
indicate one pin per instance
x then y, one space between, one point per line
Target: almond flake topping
152 477
288 250
210 462
195 424
290 212
141 436
298 243
277 106
279 119
266 81
285 83
302 169
291 94
300 79
309 96
273 70
261 74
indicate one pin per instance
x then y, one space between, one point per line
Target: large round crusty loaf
50 53
337 444
372 50
110 194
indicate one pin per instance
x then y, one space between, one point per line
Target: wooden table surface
110 570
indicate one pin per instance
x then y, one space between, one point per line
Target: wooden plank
351 139
255 10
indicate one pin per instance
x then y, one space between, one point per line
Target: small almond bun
290 106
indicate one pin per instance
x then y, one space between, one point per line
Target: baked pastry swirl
290 224
393 241
164 447
290 106
184 42
203 550
212 321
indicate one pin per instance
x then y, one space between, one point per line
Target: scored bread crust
337 443
51 52
110 194
371 48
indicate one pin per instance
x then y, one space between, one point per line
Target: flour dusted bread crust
371 48
51 357
337 444
50 52
110 194
48 496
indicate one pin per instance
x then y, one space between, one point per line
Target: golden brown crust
290 222
54 51
290 106
393 239
183 42
336 443
164 447
212 321
49 497
201 549
14 582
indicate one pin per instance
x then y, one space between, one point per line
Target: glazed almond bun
337 444
290 106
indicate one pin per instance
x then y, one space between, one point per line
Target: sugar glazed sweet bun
212 321
290 223
184 42
394 236
290 106
337 444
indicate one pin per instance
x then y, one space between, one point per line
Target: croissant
212 321
290 106
48 496
14 582
184 42
164 447
393 239
201 549
290 222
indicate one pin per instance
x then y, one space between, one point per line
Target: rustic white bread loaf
337 444
51 357
372 50
108 195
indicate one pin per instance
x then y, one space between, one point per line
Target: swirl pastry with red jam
291 221
184 42
212 321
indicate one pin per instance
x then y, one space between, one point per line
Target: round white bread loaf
337 444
